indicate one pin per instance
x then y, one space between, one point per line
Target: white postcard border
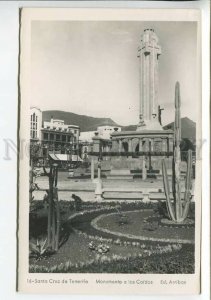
192 280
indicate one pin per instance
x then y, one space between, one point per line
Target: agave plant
38 249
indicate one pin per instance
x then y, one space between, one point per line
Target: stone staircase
120 174
127 174
135 194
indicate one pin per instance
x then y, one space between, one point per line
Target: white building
86 137
62 131
102 131
35 123
53 135
106 130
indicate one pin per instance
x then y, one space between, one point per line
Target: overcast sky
91 68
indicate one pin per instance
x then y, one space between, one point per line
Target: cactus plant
53 229
179 208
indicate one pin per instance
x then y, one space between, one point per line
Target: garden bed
144 224
125 255
121 260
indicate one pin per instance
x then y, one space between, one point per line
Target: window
45 136
63 138
34 126
58 137
51 136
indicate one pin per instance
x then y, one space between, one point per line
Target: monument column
147 145
140 145
130 145
171 145
167 144
164 145
152 145
148 53
120 145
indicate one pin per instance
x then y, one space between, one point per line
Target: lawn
142 224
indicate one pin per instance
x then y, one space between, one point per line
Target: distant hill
86 123
129 128
188 128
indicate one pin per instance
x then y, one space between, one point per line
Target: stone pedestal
99 190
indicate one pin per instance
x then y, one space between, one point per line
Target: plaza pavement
84 188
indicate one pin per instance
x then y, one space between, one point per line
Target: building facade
58 137
54 136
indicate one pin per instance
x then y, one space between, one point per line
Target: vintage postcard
110 151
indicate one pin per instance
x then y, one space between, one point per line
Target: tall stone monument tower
148 53
144 147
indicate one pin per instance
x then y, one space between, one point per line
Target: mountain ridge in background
188 128
88 123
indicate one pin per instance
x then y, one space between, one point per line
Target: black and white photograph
110 111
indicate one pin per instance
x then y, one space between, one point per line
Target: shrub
123 219
151 226
161 209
